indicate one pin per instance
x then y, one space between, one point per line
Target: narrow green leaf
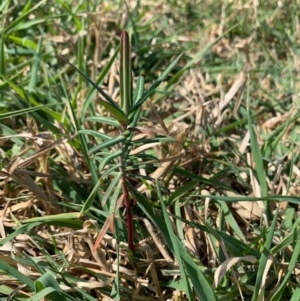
231 220
275 198
2 53
83 143
111 142
116 112
24 111
112 106
291 267
197 58
187 287
106 120
86 295
90 200
30 24
109 158
296 294
35 66
125 73
200 179
181 191
110 170
264 257
274 139
14 25
91 94
114 198
95 134
12 272
48 281
26 42
201 286
139 91
139 103
111 188
20 230
257 156
179 224
44 293
25 97
61 216
287 240
158 139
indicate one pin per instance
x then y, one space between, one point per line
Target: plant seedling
125 118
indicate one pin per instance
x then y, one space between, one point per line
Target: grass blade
175 247
258 289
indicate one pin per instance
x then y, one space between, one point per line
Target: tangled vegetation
149 150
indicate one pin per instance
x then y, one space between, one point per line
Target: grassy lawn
149 150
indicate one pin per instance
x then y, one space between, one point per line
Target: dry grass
232 106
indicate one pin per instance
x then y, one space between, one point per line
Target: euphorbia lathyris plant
118 164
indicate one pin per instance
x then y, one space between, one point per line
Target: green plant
114 152
215 218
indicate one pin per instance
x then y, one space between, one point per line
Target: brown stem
129 213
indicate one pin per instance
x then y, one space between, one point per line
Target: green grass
207 144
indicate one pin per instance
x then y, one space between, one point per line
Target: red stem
129 213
